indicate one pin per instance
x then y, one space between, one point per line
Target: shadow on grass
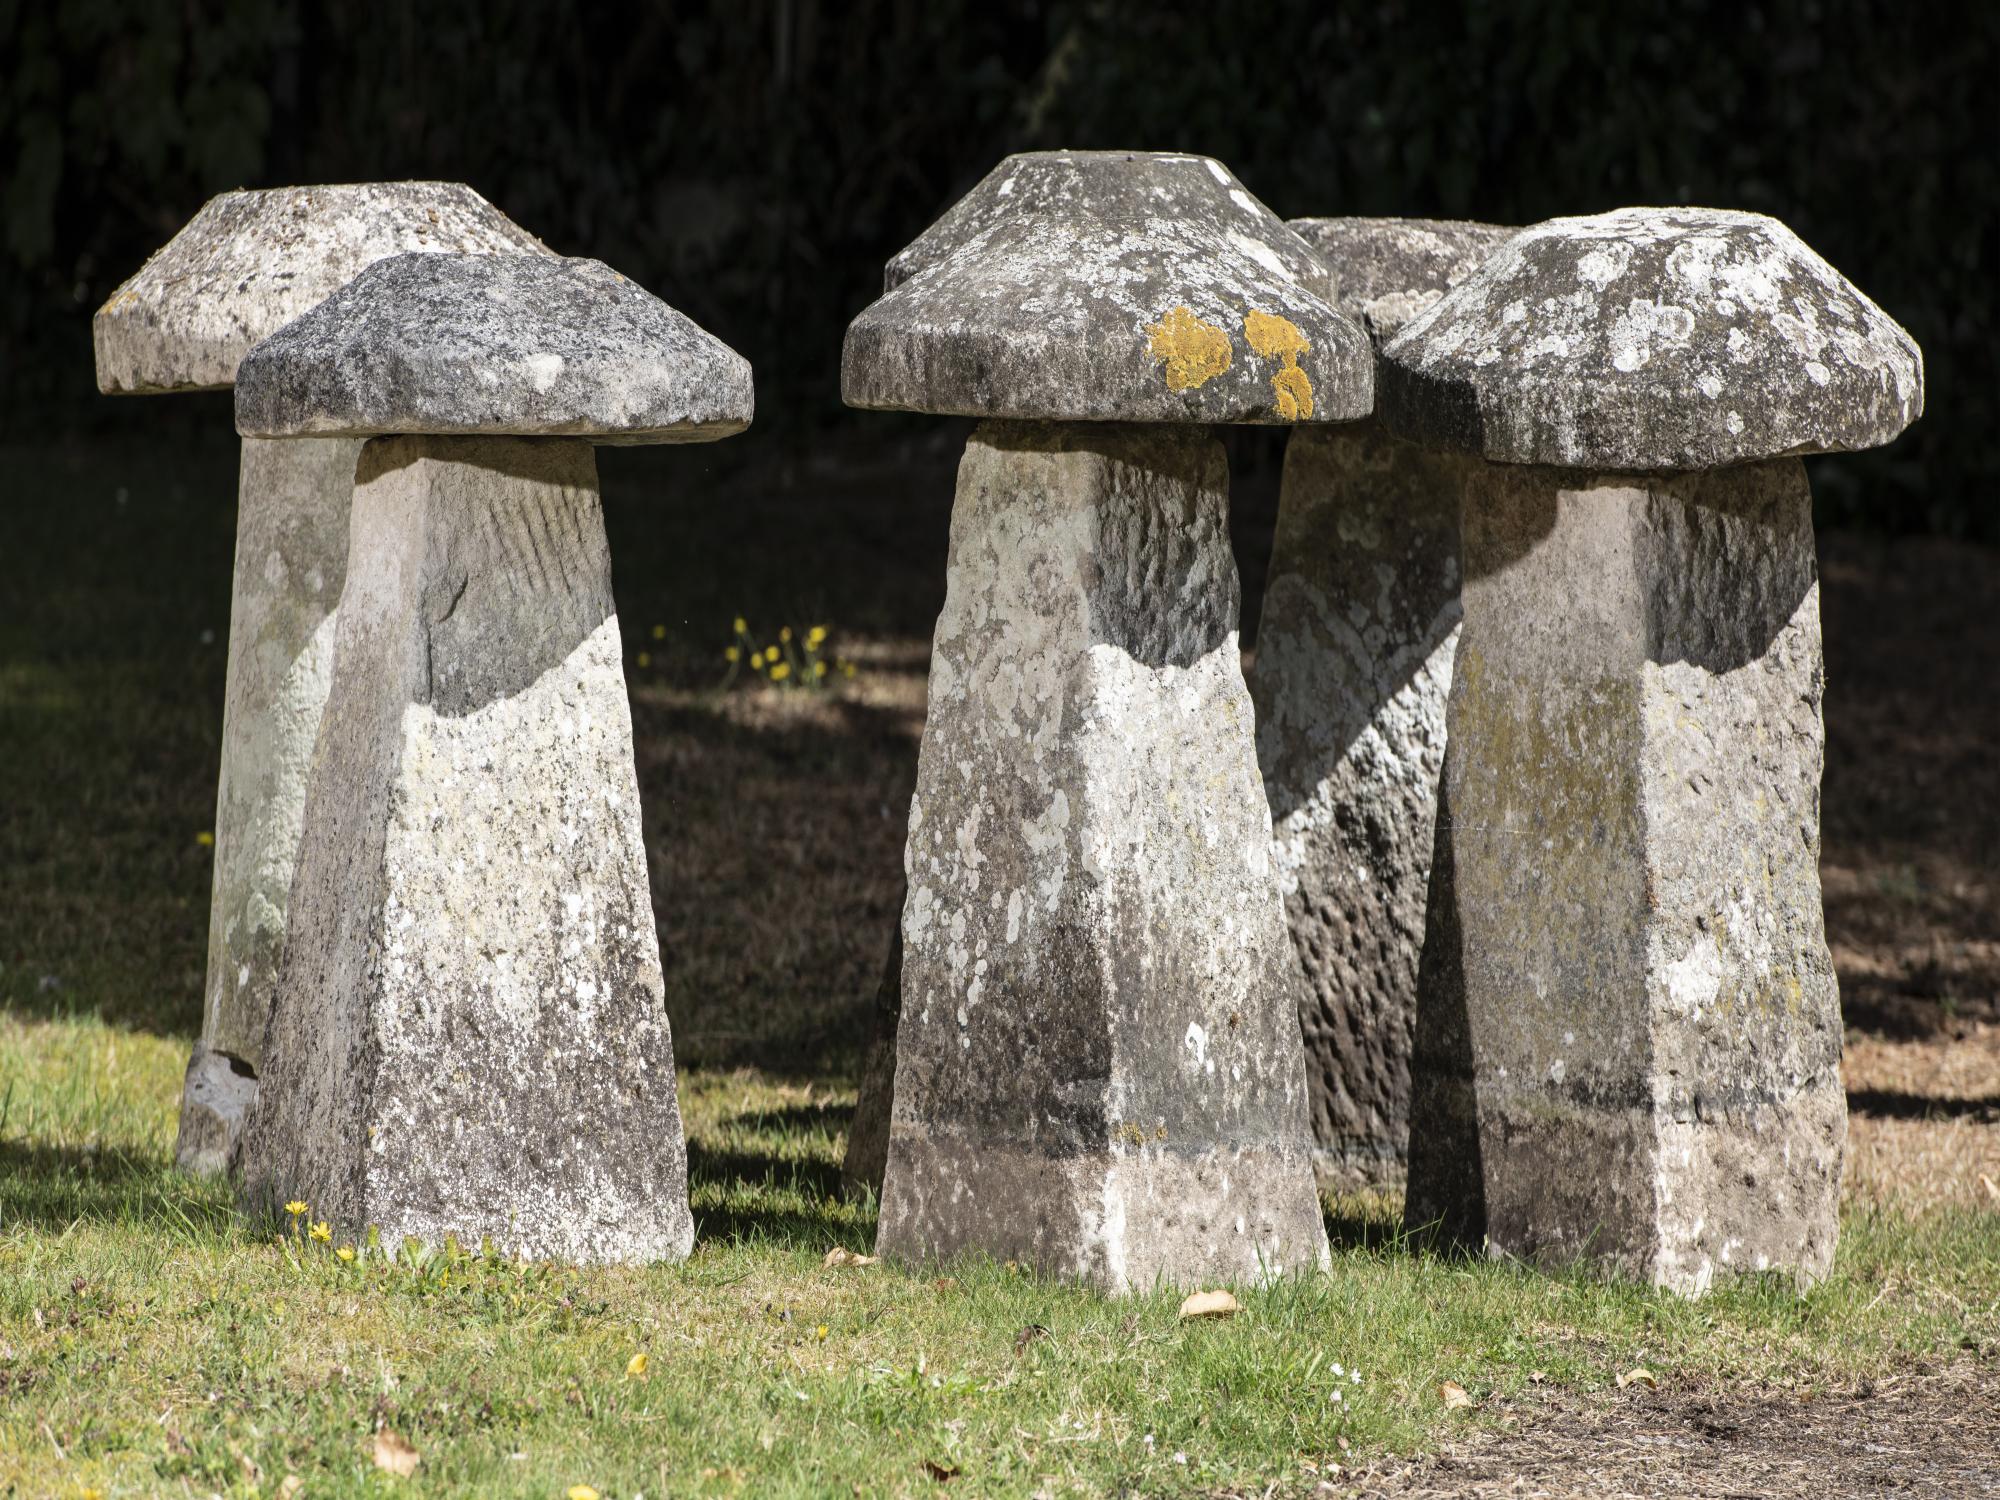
53 1187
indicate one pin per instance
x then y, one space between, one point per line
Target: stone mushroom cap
1386 271
250 262
1109 286
1652 338
493 345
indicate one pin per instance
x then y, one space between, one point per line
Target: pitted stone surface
489 345
1354 656
1109 286
291 558
1629 1029
1098 1068
1386 271
216 1096
470 1035
1652 338
250 262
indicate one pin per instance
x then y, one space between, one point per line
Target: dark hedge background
755 161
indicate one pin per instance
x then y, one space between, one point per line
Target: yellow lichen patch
1295 393
117 300
1195 352
1273 337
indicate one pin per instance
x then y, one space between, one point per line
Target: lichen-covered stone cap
1109 286
1386 271
1652 338
250 262
494 345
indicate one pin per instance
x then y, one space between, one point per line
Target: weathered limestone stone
1628 1030
494 344
244 266
1353 661
250 262
1090 286
1109 286
1653 338
1098 1069
469 1036
1097 1061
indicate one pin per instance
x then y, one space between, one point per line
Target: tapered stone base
1098 1064
291 558
470 1035
1629 1028
1354 655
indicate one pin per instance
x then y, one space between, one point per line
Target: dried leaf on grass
1217 1304
290 1486
1637 1375
1455 1396
840 1255
394 1454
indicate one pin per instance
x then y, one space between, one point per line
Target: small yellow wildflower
659 632
822 1330
741 627
757 660
847 669
785 634
205 839
322 1231
731 653
819 669
90 1494
582 1492
295 1207
345 1252
781 671
645 658
635 1367
815 635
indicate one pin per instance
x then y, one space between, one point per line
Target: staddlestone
470 1035
1652 338
1354 656
250 262
291 560
1629 1031
467 345
1098 1070
1109 286
1386 271
1353 662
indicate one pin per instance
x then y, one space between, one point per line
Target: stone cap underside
1386 271
494 345
1651 339
250 262
1109 286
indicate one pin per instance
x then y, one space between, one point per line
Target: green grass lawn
147 1336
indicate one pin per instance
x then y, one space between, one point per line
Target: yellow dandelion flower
781 671
847 669
819 669
295 1207
741 626
645 658
785 634
817 633
659 632
822 1330
582 1492
757 660
731 653
345 1252
205 839
322 1231
635 1367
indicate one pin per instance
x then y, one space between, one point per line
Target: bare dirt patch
1926 1431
